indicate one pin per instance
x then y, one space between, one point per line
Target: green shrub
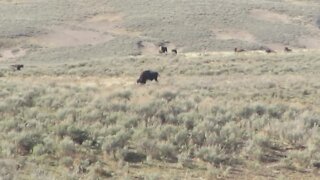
126 95
277 111
67 161
39 149
198 138
181 139
116 142
298 160
168 95
26 143
216 156
167 153
78 135
67 146
7 169
167 132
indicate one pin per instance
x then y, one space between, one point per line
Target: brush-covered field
74 111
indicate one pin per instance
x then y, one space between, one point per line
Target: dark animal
174 51
140 44
17 66
163 49
148 75
316 164
238 50
286 49
268 50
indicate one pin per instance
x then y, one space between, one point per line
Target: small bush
168 95
7 169
189 124
67 161
122 95
198 138
216 156
298 160
264 149
39 149
78 135
116 142
167 153
276 111
166 132
26 143
132 156
150 147
182 138
67 146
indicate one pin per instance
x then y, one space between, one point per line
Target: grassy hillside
76 112
209 116
96 29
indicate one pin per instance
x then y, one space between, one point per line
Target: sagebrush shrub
26 143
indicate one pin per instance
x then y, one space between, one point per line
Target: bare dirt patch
227 34
148 48
66 37
301 2
276 46
110 22
270 16
91 31
12 53
309 42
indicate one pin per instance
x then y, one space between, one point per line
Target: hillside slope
80 30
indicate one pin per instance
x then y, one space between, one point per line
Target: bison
268 50
286 49
163 49
238 50
174 51
148 75
17 66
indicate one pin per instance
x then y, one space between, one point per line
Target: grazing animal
268 50
286 49
140 44
163 49
174 51
17 66
238 50
148 75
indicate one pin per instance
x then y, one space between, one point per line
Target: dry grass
224 111
75 111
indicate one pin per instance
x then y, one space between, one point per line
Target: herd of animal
153 75
267 50
164 49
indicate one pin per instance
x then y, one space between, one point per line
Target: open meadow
75 111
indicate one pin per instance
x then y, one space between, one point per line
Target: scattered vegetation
268 119
76 112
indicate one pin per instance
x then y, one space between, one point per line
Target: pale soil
12 53
311 42
270 16
91 31
227 34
